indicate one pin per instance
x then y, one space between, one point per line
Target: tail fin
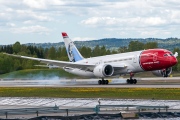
71 49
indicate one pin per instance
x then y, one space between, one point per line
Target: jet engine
163 73
103 70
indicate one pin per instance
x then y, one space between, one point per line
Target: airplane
159 61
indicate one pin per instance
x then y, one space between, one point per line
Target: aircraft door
135 58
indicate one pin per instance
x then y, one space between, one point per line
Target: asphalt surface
173 82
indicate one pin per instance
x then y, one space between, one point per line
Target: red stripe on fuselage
155 59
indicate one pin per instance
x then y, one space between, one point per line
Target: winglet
64 35
12 55
176 54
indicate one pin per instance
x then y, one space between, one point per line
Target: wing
61 64
64 65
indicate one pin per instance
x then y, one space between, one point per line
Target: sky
42 21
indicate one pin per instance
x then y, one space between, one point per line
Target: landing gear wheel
128 81
131 81
99 82
103 82
106 82
134 81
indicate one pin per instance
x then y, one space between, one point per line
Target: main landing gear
103 82
131 81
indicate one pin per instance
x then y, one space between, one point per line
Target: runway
173 82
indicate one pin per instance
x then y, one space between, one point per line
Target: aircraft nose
174 61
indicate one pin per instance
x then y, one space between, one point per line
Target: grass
122 93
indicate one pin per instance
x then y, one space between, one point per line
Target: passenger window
168 54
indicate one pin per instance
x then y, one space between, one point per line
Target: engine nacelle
163 73
103 70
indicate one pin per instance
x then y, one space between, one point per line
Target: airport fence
81 110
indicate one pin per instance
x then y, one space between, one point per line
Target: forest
9 64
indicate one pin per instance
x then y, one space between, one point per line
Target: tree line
9 64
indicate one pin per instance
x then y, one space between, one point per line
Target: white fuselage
130 59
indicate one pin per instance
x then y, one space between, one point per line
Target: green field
121 93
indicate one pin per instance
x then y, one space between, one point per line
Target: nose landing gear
165 72
131 80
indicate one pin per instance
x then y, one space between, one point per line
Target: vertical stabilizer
71 49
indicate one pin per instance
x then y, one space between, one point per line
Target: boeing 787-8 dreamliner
159 61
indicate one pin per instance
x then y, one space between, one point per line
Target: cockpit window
171 54
165 55
168 54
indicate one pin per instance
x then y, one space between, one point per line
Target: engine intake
103 70
163 73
